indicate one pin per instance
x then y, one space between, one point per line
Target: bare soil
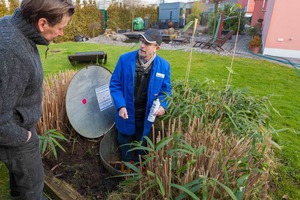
81 167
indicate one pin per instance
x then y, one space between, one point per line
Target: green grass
260 77
4 186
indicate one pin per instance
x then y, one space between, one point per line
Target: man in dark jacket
36 22
139 78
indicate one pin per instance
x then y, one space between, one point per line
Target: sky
167 1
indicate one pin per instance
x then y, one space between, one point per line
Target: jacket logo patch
159 75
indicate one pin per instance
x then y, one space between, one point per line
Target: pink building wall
250 6
258 11
243 3
281 30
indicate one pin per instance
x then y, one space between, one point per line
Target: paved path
228 47
241 49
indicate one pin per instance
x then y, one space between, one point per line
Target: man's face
147 50
51 32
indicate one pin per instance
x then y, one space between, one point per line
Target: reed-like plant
54 119
217 145
54 114
49 141
239 112
212 148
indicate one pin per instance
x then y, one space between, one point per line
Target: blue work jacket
122 89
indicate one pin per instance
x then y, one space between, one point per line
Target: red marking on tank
83 101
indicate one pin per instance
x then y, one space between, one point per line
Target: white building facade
104 4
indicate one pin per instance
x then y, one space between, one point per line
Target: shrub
119 16
255 42
232 12
54 119
86 22
216 145
49 141
54 114
253 31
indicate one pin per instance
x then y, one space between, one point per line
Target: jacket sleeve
116 85
11 134
166 87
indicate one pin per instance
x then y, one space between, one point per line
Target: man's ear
41 24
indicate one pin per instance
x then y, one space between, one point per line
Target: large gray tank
91 111
89 105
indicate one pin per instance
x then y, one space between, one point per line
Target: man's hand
29 136
123 113
161 111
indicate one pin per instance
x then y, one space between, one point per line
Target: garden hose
275 58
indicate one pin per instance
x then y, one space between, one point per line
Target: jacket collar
28 29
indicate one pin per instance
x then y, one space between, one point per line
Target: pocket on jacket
125 126
157 85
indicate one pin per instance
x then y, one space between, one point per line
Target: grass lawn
259 77
4 186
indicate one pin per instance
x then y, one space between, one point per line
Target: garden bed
80 166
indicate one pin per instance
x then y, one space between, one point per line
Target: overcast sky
168 1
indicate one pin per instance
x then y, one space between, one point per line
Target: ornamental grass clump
255 42
54 121
54 114
216 145
210 145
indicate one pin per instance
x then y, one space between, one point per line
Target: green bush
4 10
49 142
120 16
255 42
232 13
215 145
86 22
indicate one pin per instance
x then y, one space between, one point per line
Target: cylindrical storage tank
89 105
109 152
91 111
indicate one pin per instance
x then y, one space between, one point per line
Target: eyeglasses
142 41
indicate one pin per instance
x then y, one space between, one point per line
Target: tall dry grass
206 162
54 110
216 145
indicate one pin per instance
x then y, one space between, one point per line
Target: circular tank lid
89 105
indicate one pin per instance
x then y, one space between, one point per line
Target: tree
119 18
3 8
232 14
132 5
85 22
92 17
13 4
197 8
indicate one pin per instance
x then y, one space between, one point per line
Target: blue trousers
127 155
25 168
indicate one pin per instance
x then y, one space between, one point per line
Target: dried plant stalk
54 110
220 151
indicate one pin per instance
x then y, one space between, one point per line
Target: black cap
152 36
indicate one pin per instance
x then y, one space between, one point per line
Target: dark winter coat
21 79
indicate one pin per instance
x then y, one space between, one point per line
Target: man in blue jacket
139 78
